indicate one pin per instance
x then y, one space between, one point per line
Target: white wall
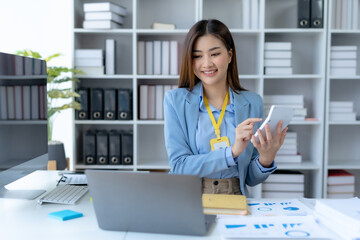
43 26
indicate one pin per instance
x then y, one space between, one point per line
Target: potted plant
57 76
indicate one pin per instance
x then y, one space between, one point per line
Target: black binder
96 103
83 113
317 13
110 104
89 147
102 147
303 13
124 104
127 148
114 147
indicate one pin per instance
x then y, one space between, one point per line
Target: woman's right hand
243 133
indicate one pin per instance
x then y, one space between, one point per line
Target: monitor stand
21 194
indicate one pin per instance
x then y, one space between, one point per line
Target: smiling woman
210 119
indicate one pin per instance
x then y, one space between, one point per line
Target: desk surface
25 219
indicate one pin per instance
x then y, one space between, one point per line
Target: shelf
298 166
294 30
101 31
357 77
22 77
104 77
160 32
345 123
153 166
23 122
345 31
150 122
103 122
108 167
295 76
344 164
157 76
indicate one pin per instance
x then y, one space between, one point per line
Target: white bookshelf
342 138
277 21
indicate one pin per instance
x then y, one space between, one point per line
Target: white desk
25 219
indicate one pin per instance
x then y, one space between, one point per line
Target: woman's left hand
269 145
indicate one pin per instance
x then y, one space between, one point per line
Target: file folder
316 13
83 113
127 148
110 104
89 147
96 103
124 104
102 147
303 13
114 147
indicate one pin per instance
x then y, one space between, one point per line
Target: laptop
148 202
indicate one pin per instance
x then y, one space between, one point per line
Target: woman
210 119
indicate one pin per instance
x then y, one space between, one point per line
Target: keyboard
64 194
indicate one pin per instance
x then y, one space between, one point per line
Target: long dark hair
219 30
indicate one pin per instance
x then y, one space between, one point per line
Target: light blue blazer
181 113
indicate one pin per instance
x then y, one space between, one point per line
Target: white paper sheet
291 227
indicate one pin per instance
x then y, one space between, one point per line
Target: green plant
56 77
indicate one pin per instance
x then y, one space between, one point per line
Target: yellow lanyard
217 125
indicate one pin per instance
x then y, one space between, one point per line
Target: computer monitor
23 124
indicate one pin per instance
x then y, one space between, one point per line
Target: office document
271 228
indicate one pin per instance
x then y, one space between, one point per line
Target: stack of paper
284 184
288 152
294 101
342 216
278 58
340 184
90 61
342 111
103 15
343 60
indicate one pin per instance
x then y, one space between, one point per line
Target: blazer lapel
241 106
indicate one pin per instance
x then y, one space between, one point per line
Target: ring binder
89 147
96 103
303 13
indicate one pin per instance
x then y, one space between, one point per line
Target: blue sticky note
65 215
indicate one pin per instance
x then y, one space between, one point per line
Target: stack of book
342 111
278 58
151 98
103 15
224 204
294 101
342 216
90 61
345 14
284 184
158 57
343 60
340 184
288 152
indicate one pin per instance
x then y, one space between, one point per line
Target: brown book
224 204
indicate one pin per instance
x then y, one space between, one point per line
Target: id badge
219 143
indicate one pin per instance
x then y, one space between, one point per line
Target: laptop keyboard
64 194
